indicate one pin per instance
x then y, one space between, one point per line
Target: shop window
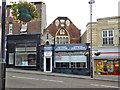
11 58
78 65
108 37
72 64
25 56
65 64
62 64
104 67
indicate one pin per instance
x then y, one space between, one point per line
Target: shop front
70 59
23 51
108 62
48 58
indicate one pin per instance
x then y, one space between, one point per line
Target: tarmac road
24 80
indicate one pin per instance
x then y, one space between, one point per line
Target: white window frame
24 28
10 28
10 13
108 37
62 40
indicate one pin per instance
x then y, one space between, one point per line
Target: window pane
104 40
110 40
25 59
30 48
78 65
119 36
104 33
24 27
57 40
83 64
65 65
20 49
110 33
60 40
58 65
119 33
119 40
63 40
73 65
66 40
11 12
11 58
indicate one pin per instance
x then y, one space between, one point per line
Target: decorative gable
64 30
47 38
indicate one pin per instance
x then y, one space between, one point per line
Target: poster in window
110 66
100 66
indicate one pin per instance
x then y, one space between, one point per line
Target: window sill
107 44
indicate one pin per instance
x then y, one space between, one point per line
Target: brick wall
72 30
33 27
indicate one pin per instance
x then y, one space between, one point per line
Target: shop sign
70 48
49 48
47 53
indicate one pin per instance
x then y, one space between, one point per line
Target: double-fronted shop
23 51
71 59
108 62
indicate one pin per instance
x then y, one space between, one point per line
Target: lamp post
2 47
91 64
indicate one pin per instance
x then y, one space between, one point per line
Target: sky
78 11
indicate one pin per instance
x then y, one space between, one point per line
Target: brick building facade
36 26
23 42
63 31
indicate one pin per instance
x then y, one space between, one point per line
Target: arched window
66 40
62 36
47 43
63 40
60 40
57 40
47 36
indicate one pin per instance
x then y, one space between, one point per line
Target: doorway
48 64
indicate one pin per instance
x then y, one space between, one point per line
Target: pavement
111 78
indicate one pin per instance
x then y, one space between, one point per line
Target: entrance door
47 64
